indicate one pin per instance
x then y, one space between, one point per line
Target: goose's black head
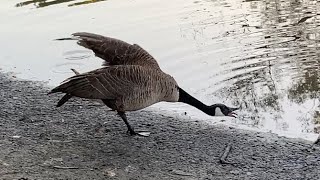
213 110
221 110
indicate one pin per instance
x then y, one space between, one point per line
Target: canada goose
131 80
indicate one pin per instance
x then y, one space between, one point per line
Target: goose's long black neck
188 99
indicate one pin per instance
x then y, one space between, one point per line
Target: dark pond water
260 55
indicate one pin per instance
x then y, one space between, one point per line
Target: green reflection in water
278 74
45 3
307 88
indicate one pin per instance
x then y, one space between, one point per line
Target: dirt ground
82 140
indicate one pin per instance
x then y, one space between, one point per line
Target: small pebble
235 172
109 172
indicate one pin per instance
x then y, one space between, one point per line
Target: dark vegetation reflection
290 48
278 72
45 3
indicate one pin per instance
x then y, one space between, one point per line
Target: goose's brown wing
115 51
104 83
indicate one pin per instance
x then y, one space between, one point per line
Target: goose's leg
130 129
124 118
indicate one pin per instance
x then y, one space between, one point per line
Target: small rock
109 172
16 137
4 164
44 136
235 172
260 136
52 161
249 173
130 169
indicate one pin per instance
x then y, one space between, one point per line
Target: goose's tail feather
63 100
63 39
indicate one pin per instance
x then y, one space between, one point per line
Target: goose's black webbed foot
139 133
130 129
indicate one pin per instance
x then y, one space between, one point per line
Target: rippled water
260 55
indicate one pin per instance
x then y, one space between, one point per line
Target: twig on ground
62 167
223 158
181 173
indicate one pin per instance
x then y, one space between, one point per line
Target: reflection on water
275 75
77 54
260 55
45 3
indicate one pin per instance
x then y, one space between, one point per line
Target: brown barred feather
115 51
132 87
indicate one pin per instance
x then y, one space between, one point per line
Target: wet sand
82 140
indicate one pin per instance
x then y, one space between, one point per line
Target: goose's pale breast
154 87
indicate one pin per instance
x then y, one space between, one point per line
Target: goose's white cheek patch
218 112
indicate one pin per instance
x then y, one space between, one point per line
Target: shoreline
82 140
308 137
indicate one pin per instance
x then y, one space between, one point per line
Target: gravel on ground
83 140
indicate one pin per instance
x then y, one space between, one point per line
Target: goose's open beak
233 114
